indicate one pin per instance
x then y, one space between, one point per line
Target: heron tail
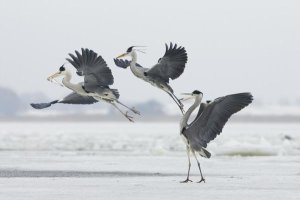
204 153
43 105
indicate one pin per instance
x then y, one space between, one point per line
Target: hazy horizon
232 46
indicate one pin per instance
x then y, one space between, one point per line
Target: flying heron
97 78
209 122
170 66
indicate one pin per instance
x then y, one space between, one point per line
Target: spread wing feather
171 65
123 63
211 121
93 67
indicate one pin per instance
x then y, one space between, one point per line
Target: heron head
131 50
197 92
62 71
194 94
127 53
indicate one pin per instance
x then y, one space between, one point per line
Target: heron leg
189 168
132 109
202 178
130 118
178 100
180 105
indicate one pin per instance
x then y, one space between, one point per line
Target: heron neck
133 66
188 113
133 57
67 81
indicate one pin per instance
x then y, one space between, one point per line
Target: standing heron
209 122
170 66
97 78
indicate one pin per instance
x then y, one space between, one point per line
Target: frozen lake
145 161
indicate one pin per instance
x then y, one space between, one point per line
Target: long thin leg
125 114
178 104
189 168
132 109
202 178
178 100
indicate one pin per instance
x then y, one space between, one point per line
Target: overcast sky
232 46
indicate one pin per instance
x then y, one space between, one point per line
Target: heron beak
50 78
123 55
190 96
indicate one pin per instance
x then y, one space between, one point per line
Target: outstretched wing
72 98
171 65
93 68
213 118
75 98
122 63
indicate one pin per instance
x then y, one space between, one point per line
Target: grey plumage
93 68
171 65
201 108
123 63
210 122
75 98
43 105
72 98
97 79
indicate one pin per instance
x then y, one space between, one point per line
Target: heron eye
62 68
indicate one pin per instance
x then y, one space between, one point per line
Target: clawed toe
186 181
130 118
202 180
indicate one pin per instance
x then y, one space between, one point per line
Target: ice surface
68 176
70 161
147 138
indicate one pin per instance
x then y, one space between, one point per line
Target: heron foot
202 180
130 118
186 181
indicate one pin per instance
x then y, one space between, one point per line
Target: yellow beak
123 55
50 78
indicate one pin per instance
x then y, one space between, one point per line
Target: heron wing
75 98
171 65
211 121
72 98
93 67
123 63
200 111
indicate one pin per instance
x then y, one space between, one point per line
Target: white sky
233 46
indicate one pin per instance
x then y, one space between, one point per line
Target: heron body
100 94
184 120
97 78
170 66
141 73
208 123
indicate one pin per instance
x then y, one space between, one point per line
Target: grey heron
209 122
97 78
170 66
